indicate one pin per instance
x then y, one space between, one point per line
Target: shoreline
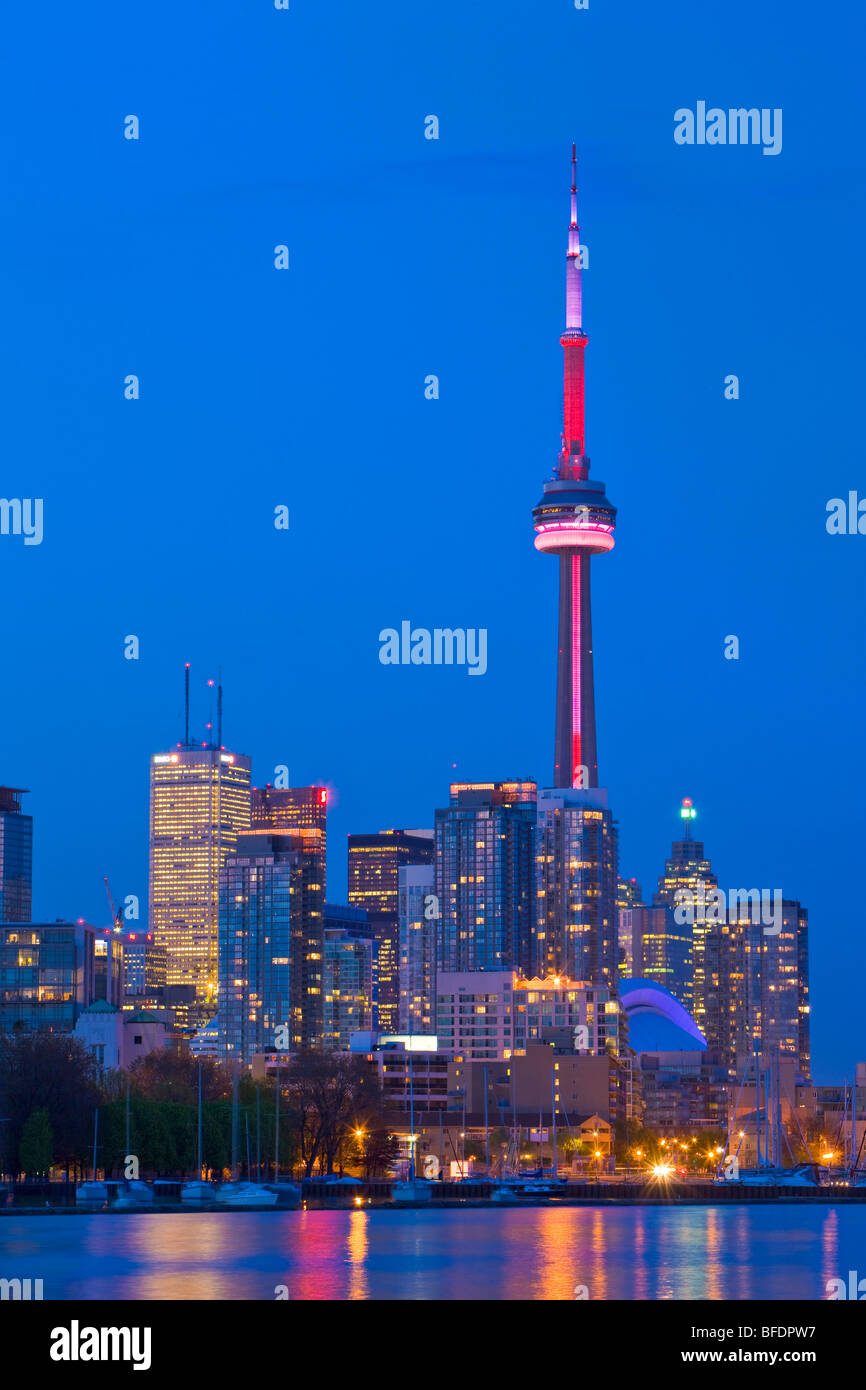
449 1204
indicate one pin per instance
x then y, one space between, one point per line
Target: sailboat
413 1189
288 1193
242 1194
769 1170
131 1193
856 1175
198 1193
93 1194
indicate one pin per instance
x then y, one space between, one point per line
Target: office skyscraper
418 911
282 809
689 871
658 948
348 986
16 857
751 985
374 864
199 805
51 971
288 808
344 923
144 962
574 521
759 987
629 894
485 876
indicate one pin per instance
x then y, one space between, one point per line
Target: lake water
730 1252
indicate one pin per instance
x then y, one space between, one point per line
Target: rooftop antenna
210 686
186 706
220 707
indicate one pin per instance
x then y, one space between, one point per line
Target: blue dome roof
649 997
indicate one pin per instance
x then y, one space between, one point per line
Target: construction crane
116 912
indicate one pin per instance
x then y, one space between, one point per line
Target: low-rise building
118 1039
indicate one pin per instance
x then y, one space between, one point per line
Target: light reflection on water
648 1253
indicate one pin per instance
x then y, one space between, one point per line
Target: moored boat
131 1194
412 1190
92 1194
197 1193
244 1194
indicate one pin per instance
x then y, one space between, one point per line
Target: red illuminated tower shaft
575 521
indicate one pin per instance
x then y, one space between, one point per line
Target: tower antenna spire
573 297
186 705
220 707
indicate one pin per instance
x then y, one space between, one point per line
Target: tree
631 1137
168 1075
380 1151
330 1096
36 1150
51 1071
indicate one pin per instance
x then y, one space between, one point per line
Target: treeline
330 1114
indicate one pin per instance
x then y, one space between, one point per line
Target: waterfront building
542 1081
485 876
683 1091
16 857
397 1058
496 1015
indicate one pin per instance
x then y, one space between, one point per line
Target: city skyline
330 974
675 302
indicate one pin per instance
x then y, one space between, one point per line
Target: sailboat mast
277 1128
486 1129
854 1121
757 1108
411 1116
235 1123
198 1137
553 1108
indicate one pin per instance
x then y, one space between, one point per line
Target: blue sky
306 388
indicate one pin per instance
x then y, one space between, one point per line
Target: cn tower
574 521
